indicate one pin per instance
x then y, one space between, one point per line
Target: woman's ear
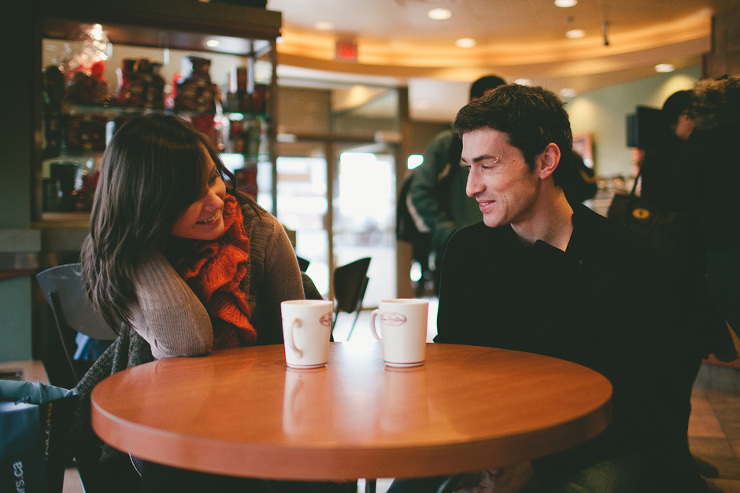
548 160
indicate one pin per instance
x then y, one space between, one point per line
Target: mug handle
373 328
296 323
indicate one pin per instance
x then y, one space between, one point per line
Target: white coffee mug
403 330
306 332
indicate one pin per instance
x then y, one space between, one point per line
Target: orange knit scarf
214 270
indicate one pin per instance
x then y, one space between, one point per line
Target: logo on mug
392 319
325 319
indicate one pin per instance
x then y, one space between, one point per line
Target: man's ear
549 160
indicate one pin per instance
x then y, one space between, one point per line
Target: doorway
338 195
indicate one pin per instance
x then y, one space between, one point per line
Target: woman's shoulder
261 227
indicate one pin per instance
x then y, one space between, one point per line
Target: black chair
73 313
350 283
309 288
303 263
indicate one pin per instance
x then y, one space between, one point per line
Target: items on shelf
87 85
246 136
246 180
85 132
140 83
68 187
85 70
240 97
53 97
194 90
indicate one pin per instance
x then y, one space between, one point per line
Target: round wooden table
242 412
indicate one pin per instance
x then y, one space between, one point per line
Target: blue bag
34 422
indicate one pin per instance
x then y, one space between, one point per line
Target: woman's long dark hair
152 170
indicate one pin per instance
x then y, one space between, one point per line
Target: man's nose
473 186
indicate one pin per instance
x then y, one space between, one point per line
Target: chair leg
370 486
357 315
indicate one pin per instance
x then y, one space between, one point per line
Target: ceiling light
523 82
664 68
439 14
575 33
212 43
565 3
567 92
465 43
323 26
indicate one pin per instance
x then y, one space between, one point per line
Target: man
437 188
545 276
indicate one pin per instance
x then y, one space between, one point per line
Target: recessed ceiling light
212 43
567 92
565 3
323 26
575 33
465 43
439 14
664 68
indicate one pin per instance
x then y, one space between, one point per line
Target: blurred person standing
437 188
659 161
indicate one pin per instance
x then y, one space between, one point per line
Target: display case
100 63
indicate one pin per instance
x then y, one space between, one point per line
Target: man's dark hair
533 117
485 83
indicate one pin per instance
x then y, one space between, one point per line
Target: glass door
358 179
364 215
302 204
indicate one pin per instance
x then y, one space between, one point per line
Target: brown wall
725 56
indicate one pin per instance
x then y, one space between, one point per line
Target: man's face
502 183
684 126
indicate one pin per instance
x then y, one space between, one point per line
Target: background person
437 188
712 156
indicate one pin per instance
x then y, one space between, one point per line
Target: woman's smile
211 219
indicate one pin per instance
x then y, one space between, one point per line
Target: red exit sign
346 50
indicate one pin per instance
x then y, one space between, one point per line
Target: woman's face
203 219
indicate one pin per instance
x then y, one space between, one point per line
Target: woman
180 265
188 264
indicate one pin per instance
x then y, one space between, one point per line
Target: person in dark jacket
712 154
437 188
542 275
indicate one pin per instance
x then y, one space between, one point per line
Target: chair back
73 313
309 288
62 288
350 283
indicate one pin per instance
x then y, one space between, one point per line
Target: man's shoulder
444 135
442 140
604 239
